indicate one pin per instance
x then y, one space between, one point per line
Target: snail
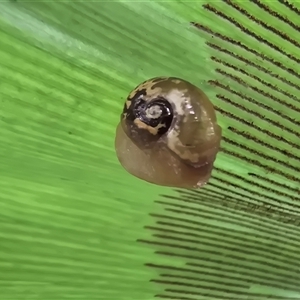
168 133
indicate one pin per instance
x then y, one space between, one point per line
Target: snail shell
168 134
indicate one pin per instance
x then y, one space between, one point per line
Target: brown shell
184 155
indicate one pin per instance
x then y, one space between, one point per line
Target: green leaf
72 221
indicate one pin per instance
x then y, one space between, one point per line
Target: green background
74 224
